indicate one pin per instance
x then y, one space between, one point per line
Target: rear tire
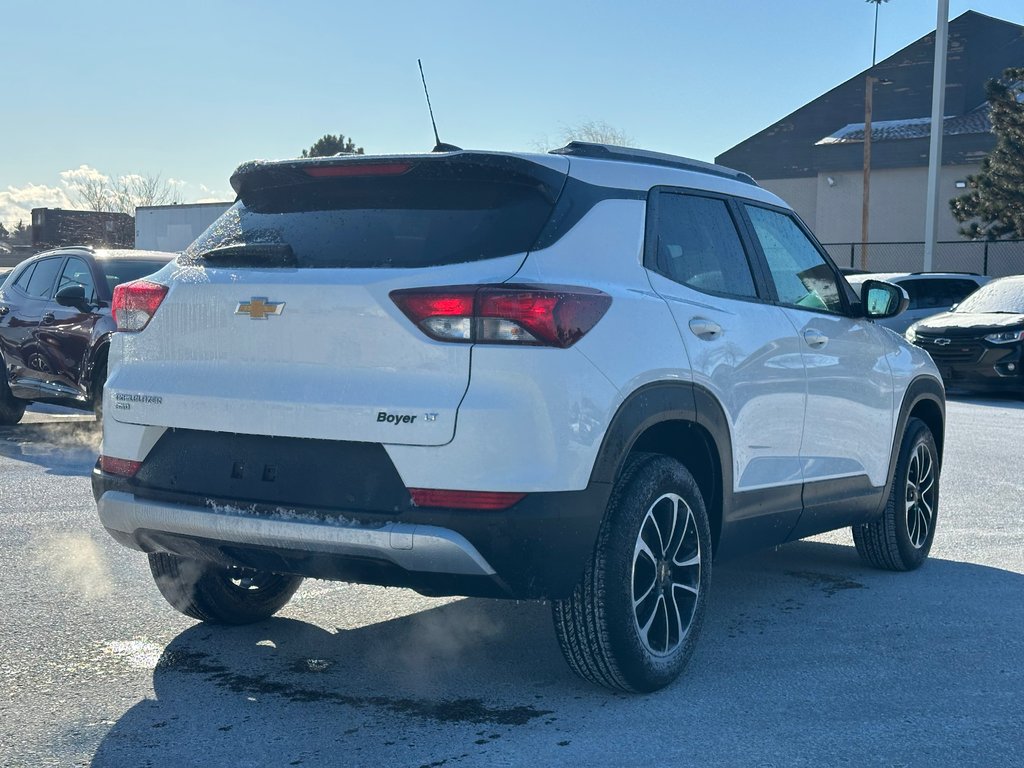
12 409
902 537
633 620
99 381
220 595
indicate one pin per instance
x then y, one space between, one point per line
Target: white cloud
16 203
80 174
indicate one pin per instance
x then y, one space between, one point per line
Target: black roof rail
631 155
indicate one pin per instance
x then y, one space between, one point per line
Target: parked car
55 325
979 346
574 376
929 292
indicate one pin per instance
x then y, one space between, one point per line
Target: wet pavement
807 658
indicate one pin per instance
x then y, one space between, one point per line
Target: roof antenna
438 146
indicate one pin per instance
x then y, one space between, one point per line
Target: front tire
633 620
901 538
220 595
12 409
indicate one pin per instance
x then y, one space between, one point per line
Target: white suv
576 376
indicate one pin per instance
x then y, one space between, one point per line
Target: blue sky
191 89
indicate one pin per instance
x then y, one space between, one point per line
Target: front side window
801 275
698 246
77 273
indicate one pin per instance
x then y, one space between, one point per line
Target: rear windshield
120 271
1000 296
398 222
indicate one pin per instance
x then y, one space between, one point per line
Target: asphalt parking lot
807 658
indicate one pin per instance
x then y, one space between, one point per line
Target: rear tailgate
278 320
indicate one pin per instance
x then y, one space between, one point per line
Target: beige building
814 157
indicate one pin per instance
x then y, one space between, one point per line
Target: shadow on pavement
804 651
63 448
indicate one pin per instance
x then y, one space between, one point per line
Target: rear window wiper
250 255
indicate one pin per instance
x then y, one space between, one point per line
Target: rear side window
24 277
40 285
698 246
414 219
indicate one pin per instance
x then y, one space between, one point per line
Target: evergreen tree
993 207
328 145
22 235
4 234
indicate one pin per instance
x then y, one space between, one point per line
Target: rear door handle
815 339
705 329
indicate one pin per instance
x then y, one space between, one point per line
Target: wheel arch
924 399
677 419
97 359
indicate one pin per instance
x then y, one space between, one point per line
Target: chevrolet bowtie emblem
259 308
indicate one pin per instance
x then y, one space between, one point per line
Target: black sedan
978 345
55 325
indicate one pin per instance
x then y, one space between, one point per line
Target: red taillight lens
552 316
135 303
490 500
122 467
358 169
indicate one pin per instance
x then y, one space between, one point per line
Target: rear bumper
536 549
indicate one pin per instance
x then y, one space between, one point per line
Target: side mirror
72 296
881 300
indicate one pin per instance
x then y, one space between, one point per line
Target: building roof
974 122
827 133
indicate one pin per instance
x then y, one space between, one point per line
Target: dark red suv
55 324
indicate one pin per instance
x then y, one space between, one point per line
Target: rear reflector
550 316
428 497
135 303
358 169
121 467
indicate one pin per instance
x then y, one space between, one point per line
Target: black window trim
851 305
650 255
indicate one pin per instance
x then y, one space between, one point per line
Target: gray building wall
173 227
897 212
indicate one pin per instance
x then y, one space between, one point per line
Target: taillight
121 467
135 303
490 500
551 316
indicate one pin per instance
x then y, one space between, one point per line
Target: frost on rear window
443 222
1006 295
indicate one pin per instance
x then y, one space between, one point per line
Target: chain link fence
994 258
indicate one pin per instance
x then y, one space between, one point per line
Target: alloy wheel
920 495
665 574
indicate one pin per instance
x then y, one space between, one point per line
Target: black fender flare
670 401
922 390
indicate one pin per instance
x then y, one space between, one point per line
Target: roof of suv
600 164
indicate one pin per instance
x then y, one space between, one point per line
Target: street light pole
869 87
931 217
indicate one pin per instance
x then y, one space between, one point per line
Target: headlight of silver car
911 334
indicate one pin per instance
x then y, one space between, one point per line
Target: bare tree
124 194
92 193
596 131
